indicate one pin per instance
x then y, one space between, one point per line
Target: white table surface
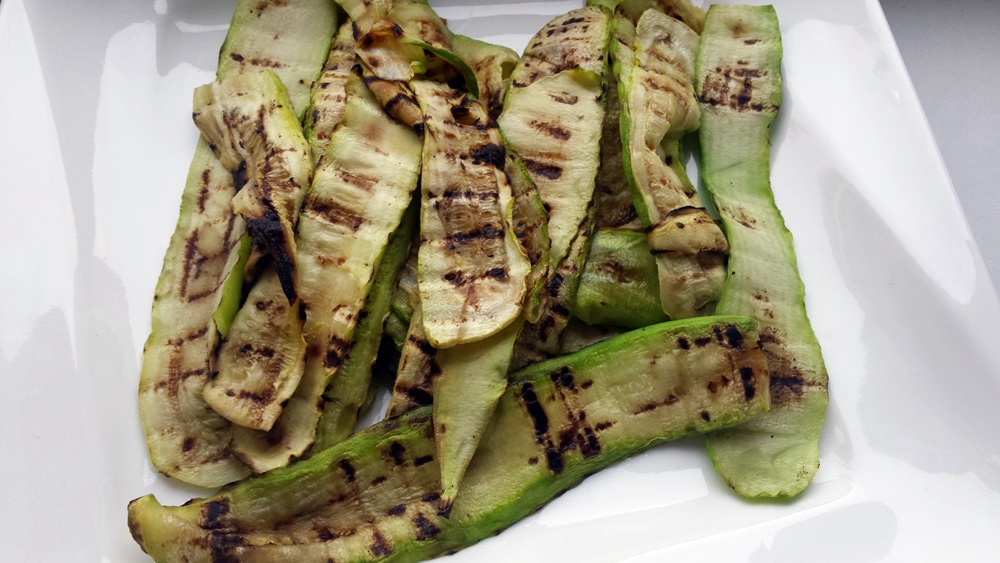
952 53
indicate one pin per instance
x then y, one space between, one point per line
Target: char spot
734 337
347 468
236 57
380 547
683 343
378 480
324 533
213 513
746 376
420 397
423 460
702 341
492 154
705 416
425 528
587 384
601 426
396 510
563 377
430 497
551 130
422 344
572 21
396 451
188 444
712 387
533 460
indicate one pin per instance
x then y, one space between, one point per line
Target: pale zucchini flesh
471 271
328 94
186 438
374 496
553 116
659 105
739 84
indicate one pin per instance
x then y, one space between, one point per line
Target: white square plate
95 141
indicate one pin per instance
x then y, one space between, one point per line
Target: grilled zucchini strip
553 117
359 195
249 121
739 85
347 392
491 65
659 104
471 270
374 496
329 92
186 438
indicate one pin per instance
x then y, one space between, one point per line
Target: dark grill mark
541 423
571 21
568 99
420 397
683 343
324 533
423 460
213 513
734 337
380 547
188 444
347 468
492 154
484 232
422 344
702 341
601 426
563 377
430 497
746 376
425 528
549 171
705 416
396 451
378 480
267 231
551 130
396 510
336 214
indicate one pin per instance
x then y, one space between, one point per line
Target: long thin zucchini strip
613 195
186 439
347 391
659 104
328 94
553 117
414 386
473 377
357 200
739 84
471 270
374 496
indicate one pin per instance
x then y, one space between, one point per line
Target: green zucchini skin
186 439
739 85
619 282
374 496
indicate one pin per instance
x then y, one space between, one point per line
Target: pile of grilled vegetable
514 238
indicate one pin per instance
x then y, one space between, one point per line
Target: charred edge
213 513
396 451
550 171
492 154
347 468
268 232
425 528
423 345
746 376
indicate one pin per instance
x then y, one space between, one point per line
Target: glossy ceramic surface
95 141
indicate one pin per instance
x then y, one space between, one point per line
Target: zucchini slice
186 438
250 123
659 104
328 93
739 85
374 496
491 64
347 392
553 116
356 202
471 270
414 386
681 10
